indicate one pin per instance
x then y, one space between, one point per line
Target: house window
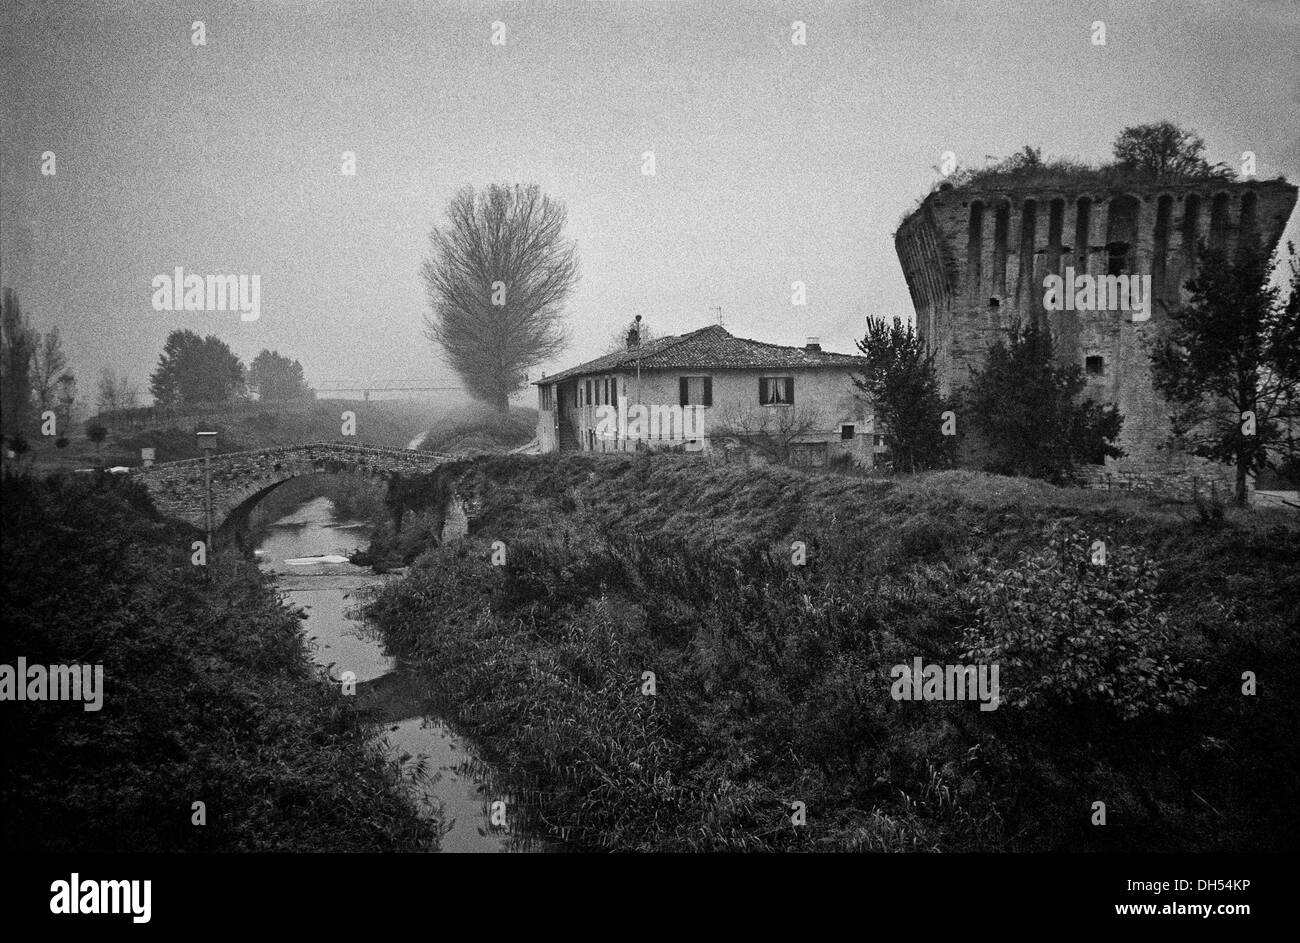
695 391
846 432
1095 366
878 441
776 391
587 399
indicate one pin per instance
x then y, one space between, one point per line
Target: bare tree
48 364
769 430
497 280
116 391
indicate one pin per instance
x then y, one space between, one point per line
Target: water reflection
303 548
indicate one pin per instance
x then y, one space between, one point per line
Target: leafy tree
48 365
899 379
1164 151
1232 354
193 371
165 384
497 280
1024 406
97 433
18 343
274 377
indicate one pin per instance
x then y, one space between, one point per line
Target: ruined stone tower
975 259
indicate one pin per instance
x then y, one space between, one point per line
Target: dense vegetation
1122 681
899 380
1030 412
1161 152
209 696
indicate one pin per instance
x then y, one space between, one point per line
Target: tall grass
773 679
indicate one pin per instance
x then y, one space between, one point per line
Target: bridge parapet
442 457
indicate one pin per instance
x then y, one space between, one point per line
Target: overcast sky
774 162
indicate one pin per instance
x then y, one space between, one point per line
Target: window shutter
708 391
762 391
789 390
683 391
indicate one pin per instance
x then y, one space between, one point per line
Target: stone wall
1177 480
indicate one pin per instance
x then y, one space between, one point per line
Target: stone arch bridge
241 479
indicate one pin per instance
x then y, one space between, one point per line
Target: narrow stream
307 550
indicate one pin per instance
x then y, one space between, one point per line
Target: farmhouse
708 390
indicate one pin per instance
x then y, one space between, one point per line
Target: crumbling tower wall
975 259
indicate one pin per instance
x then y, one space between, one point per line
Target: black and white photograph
696 431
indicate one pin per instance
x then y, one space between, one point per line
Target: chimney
814 344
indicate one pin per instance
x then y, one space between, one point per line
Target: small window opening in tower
1116 258
1095 366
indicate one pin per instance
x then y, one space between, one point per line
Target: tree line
36 379
194 370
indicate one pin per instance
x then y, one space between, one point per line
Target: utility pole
719 310
208 442
637 328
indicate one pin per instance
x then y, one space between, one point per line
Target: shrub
1066 630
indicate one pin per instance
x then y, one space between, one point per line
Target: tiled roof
708 348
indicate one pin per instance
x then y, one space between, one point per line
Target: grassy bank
1120 682
209 696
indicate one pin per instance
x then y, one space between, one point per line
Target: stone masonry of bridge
241 479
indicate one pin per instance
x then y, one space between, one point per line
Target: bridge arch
234 519
241 479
